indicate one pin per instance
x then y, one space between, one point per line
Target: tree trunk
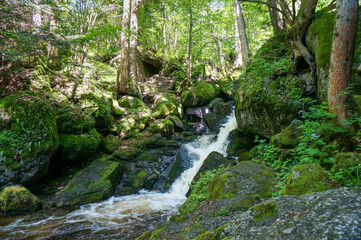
276 19
164 29
189 74
218 44
242 31
133 61
37 14
298 32
342 55
123 71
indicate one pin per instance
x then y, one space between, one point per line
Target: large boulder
333 214
201 94
168 104
239 142
136 118
110 143
94 183
164 126
319 41
28 137
265 104
18 199
75 149
307 178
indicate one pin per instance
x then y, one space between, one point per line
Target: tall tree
342 55
241 25
275 16
190 43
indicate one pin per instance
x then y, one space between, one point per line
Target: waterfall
118 217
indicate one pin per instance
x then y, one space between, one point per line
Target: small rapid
119 217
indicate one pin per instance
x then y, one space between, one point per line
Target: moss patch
199 95
265 210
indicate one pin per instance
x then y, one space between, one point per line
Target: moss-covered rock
223 109
74 149
28 137
246 179
178 124
168 104
347 168
17 199
214 121
128 154
319 41
136 119
165 127
138 179
238 144
94 183
201 94
151 142
100 108
110 143
213 161
307 178
289 137
346 160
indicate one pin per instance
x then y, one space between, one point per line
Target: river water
118 217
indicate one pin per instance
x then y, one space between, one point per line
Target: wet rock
201 94
214 102
128 154
196 114
307 178
289 137
18 199
239 142
333 214
94 183
223 109
214 121
75 149
28 137
213 161
110 143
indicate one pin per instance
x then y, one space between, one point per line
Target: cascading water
119 217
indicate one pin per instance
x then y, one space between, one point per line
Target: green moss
110 143
167 104
217 188
212 234
137 178
74 149
346 160
307 178
17 199
200 95
265 210
289 137
129 154
165 127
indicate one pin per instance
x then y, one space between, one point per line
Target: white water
117 213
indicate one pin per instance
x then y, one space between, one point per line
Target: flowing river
118 217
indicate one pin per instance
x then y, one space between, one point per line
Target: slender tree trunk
123 71
343 48
242 31
238 62
218 44
164 29
189 75
37 14
133 61
276 19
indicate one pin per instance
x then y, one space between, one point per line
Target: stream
123 217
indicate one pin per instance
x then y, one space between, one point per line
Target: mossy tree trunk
342 55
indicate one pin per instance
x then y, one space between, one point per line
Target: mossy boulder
346 160
347 166
165 127
223 109
289 137
28 137
100 108
213 161
110 143
94 183
307 178
137 117
75 149
168 104
71 119
138 179
245 180
214 121
178 124
319 40
128 154
199 95
18 199
151 142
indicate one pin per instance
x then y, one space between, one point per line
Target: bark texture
189 74
276 19
241 31
218 44
343 48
